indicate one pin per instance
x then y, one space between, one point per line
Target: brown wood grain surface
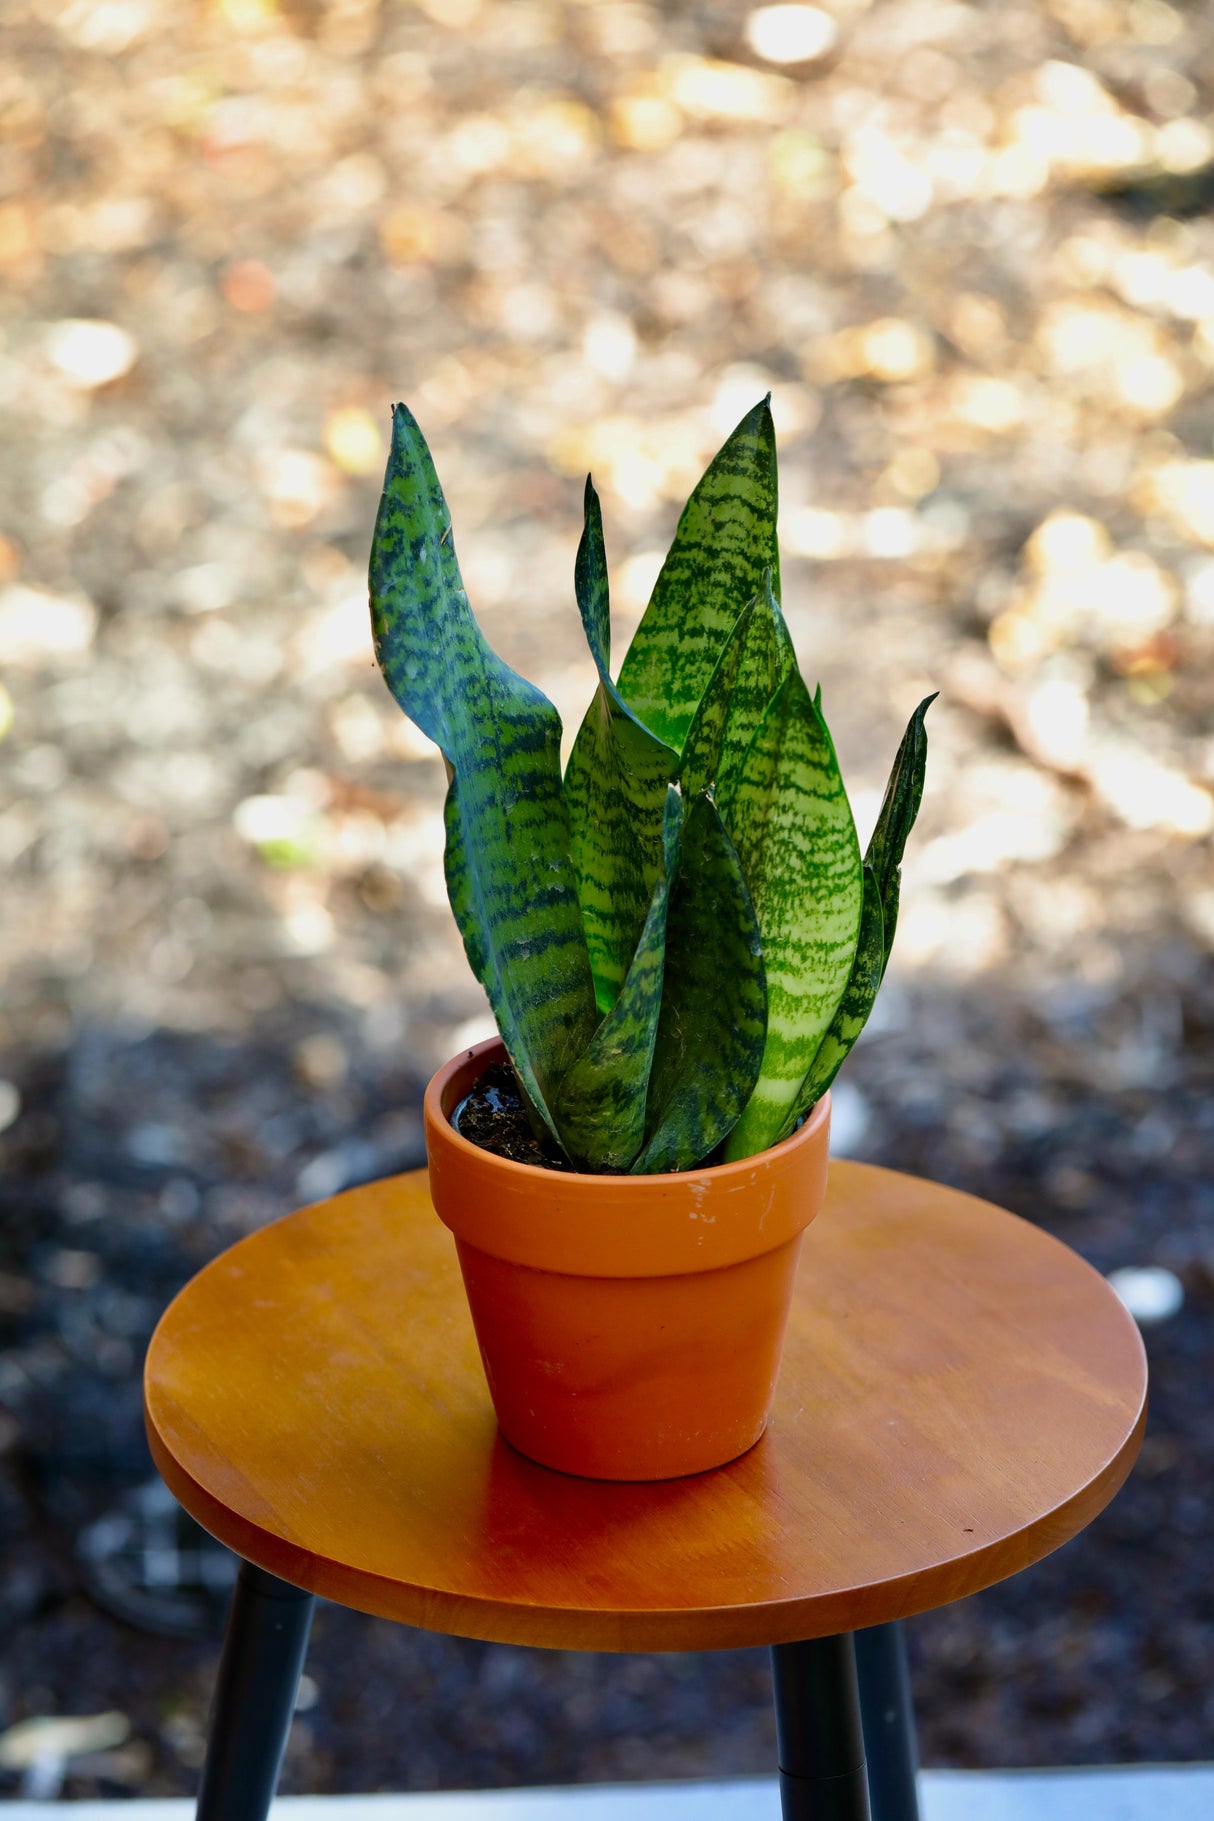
960 1394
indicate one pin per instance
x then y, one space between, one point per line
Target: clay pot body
630 1326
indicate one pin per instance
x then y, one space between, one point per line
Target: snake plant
679 937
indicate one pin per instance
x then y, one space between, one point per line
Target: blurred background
968 247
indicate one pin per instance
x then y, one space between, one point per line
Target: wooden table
960 1394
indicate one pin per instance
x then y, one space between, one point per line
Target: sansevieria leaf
509 872
600 1107
899 807
758 655
615 785
898 811
788 814
714 1001
852 1014
726 538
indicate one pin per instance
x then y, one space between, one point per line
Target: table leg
819 1733
263 1654
889 1722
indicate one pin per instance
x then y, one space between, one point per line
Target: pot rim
493 1049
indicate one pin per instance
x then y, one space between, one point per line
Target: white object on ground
474 1030
1151 1293
791 34
60 1736
849 1119
36 627
10 1105
87 353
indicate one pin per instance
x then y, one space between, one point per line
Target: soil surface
969 250
494 1116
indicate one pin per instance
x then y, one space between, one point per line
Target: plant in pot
680 941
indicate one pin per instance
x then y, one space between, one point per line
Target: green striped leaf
615 785
757 657
882 877
788 814
899 807
509 872
854 1007
714 1001
600 1108
726 538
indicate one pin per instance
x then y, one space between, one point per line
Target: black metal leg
889 1722
819 1732
263 1654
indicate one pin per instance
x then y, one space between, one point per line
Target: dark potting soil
494 1116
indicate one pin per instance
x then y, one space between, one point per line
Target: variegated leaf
757 657
615 785
509 871
714 1001
899 807
854 1007
788 814
898 812
600 1107
726 538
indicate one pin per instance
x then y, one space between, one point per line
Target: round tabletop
960 1394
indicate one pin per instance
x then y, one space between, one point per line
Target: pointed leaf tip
508 869
757 657
899 808
726 537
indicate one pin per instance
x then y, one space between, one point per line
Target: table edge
653 1629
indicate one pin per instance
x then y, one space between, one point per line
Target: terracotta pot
630 1326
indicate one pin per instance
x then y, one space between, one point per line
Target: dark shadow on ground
138 1155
